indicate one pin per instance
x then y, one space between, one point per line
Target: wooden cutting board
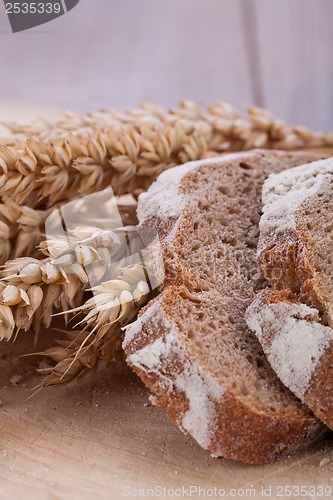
101 438
94 438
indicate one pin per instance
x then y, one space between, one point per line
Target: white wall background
274 53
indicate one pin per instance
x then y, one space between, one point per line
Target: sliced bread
295 248
298 347
295 253
191 345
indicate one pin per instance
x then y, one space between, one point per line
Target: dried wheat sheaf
43 164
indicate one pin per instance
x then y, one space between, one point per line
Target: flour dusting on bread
283 193
299 341
295 256
163 199
200 389
191 346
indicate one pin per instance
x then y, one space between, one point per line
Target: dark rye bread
191 345
298 346
295 250
295 254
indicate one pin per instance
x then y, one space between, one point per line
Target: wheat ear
21 230
115 304
30 292
126 160
222 126
130 151
31 289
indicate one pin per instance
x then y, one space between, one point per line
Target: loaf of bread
294 324
191 345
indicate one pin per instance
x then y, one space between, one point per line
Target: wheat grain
125 160
115 304
75 362
30 289
21 229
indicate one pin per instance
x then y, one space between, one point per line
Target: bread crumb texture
283 193
191 345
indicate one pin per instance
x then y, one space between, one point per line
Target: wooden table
94 438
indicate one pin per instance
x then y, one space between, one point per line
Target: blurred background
272 53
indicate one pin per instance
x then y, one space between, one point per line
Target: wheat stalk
22 227
31 290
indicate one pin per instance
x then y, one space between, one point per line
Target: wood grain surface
274 53
95 438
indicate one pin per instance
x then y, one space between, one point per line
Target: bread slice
295 253
296 234
298 347
191 345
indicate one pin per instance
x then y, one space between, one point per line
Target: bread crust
287 256
235 430
155 351
317 393
293 261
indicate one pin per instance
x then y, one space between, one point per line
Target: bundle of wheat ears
44 165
